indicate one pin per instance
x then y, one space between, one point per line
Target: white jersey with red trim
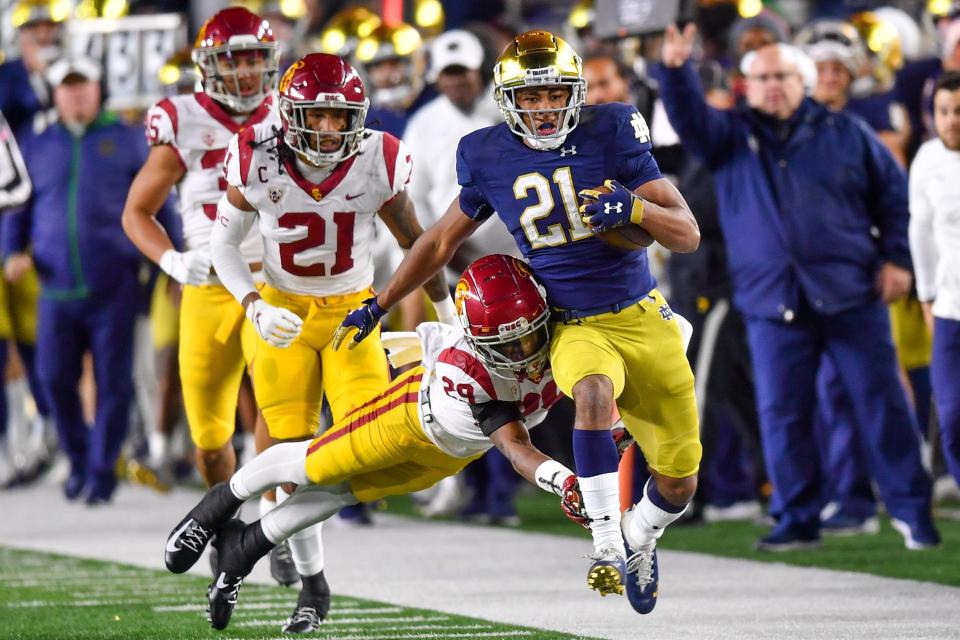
454 378
317 238
198 129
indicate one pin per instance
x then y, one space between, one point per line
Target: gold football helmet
179 74
539 59
397 84
883 46
346 29
582 15
89 9
27 12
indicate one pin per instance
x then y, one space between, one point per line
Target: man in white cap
434 131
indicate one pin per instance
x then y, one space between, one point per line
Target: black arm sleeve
494 414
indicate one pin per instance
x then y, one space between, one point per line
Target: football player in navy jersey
617 346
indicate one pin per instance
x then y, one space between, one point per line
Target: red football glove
571 501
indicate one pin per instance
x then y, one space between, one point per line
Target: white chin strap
544 144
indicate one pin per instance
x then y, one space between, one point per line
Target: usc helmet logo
288 75
522 268
459 294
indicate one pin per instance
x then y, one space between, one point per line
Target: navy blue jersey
535 194
881 111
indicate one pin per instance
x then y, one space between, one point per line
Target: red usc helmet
231 49
504 315
322 81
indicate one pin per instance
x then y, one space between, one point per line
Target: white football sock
306 546
307 506
266 505
285 462
601 499
648 521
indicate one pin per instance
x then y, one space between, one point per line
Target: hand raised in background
677 46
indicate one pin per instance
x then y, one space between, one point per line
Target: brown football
629 237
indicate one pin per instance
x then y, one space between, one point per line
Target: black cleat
214 559
282 568
232 568
191 536
305 619
312 607
222 597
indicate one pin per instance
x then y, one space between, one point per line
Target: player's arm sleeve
923 246
494 414
229 229
472 201
634 165
227 234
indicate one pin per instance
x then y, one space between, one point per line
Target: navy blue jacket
809 207
72 222
18 100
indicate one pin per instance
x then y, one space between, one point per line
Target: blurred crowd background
427 65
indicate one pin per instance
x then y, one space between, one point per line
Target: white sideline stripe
262 622
73 577
277 602
88 602
26 604
421 636
417 636
260 606
436 627
333 611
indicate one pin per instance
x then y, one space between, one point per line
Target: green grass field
882 554
46 596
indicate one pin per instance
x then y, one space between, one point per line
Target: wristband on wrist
446 311
636 213
551 475
166 261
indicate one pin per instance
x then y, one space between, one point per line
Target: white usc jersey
198 129
454 378
317 238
